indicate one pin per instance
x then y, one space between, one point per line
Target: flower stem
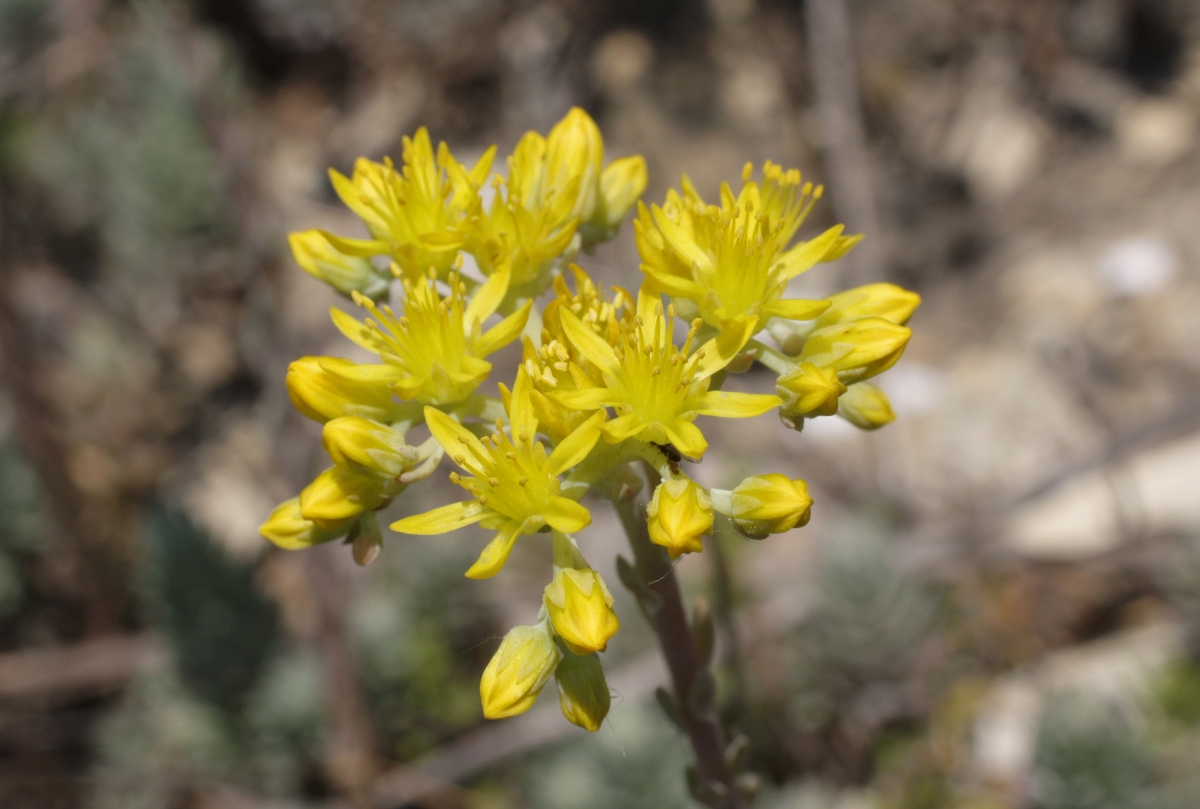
669 621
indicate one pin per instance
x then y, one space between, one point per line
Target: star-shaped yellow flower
437 345
513 481
658 389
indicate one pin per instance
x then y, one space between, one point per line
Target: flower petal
493 557
503 332
718 351
672 285
521 418
730 405
355 330
590 344
583 398
566 515
807 255
576 446
487 298
459 442
687 438
682 243
441 520
622 427
796 309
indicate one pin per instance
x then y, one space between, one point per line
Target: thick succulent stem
695 699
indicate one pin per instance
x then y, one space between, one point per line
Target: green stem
670 624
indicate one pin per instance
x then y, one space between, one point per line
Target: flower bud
518 671
575 152
621 185
582 690
808 391
857 350
324 388
866 406
886 301
290 531
580 607
680 514
769 504
367 447
338 495
319 258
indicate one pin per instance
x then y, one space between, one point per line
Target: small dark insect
673 456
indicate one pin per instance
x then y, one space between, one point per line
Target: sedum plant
605 400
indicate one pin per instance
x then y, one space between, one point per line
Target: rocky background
997 603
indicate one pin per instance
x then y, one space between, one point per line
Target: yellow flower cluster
606 378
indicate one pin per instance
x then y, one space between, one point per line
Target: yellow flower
367 447
769 504
517 672
580 607
866 406
320 259
679 515
290 531
514 483
324 388
557 365
731 263
657 389
857 350
339 494
582 690
808 391
437 345
555 187
417 215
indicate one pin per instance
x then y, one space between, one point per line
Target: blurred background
997 603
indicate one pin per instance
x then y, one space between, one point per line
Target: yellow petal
493 557
488 297
590 344
576 446
459 442
566 515
724 347
807 255
503 332
672 285
687 438
796 309
687 249
622 427
441 520
521 418
583 398
730 405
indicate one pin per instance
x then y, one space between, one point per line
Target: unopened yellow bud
580 607
621 185
680 514
338 495
888 301
575 153
866 406
808 391
324 388
518 671
769 504
319 258
582 690
857 350
367 447
290 531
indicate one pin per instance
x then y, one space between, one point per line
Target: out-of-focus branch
831 55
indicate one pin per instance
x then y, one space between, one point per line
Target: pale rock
995 142
1155 132
1076 521
621 59
1139 266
